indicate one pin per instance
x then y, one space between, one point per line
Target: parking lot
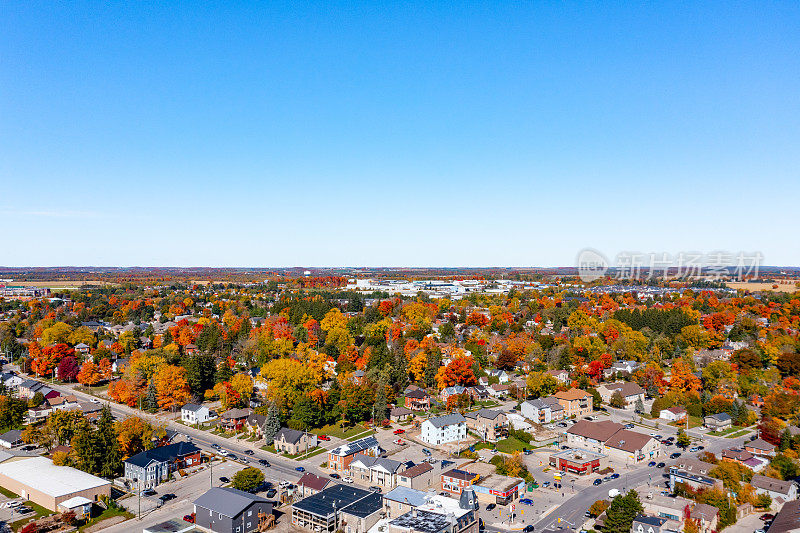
13 509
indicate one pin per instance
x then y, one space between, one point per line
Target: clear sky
410 133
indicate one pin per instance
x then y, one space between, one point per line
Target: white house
673 414
191 413
774 488
537 410
443 429
501 375
631 392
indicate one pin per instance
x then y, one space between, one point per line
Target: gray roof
227 501
290 435
191 407
11 436
447 420
722 417
413 497
422 521
389 464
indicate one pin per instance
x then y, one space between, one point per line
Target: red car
399 431
189 518
324 437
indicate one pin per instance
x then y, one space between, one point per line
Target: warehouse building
40 481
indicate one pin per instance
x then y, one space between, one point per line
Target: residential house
576 402
631 392
150 467
537 410
82 348
193 414
501 375
311 484
234 419
443 429
456 480
489 424
422 477
28 389
478 393
227 510
339 458
774 488
11 380
451 391
255 425
499 389
694 480
418 400
11 439
760 447
718 422
621 368
654 524
673 414
375 471
293 441
562 376
743 457
400 414
190 349
787 520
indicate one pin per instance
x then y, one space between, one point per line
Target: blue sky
446 134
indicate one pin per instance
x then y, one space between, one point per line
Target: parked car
167 497
694 449
375 488
767 516
249 452
400 442
399 431
334 476
546 484
490 506
224 479
597 481
149 492
614 476
607 479
188 518
426 451
628 426
24 510
263 462
661 465
347 479
323 437
526 501
675 455
651 464
300 469
529 528
271 493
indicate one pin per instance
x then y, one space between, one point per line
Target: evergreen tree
380 408
786 440
271 425
151 399
639 406
88 451
434 361
622 511
108 440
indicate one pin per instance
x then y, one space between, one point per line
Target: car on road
651 464
426 451
526 501
188 518
675 455
759 531
546 484
399 442
628 426
661 465
249 452
562 424
149 492
300 469
614 476
224 479
653 435
224 453
375 488
591 417
597 481
216 446
564 447
167 497
490 506
263 462
399 431
347 479
529 528
323 437
334 476
527 451
232 457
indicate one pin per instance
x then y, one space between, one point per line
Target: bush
248 479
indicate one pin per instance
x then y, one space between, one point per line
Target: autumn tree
541 384
173 389
458 372
89 374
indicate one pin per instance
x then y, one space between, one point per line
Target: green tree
617 400
248 479
541 384
683 439
271 425
107 438
151 398
622 511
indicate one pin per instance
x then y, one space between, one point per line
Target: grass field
333 430
755 286
511 445
63 284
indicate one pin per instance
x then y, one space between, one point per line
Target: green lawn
269 448
725 432
108 513
312 453
737 434
511 445
361 435
334 430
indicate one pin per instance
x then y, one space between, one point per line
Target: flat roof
171 526
39 473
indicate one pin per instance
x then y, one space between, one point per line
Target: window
250 513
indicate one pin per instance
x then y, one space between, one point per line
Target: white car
347 479
224 453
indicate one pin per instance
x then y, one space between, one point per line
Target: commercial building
415 511
40 481
497 489
578 461
718 422
455 480
227 510
293 441
613 440
343 507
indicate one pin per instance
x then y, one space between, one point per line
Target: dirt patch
776 286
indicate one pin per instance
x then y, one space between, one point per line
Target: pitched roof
704 511
418 394
629 441
446 420
417 470
399 411
342 498
771 484
484 413
720 417
788 519
356 446
760 444
459 474
313 481
572 394
390 465
13 435
193 407
402 494
163 454
227 501
626 388
237 413
599 431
